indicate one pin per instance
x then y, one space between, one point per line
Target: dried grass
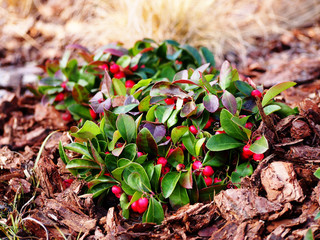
218 24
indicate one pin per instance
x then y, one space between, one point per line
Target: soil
279 201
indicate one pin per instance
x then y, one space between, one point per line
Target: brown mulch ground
279 201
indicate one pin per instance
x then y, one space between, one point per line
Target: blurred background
35 30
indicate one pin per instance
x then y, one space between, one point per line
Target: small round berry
130 84
249 125
140 154
129 198
103 67
64 85
208 181
93 114
66 117
208 171
114 68
143 204
134 68
135 206
162 161
193 129
258 138
67 182
180 167
219 132
196 165
182 147
116 190
119 75
256 93
165 170
170 151
169 101
208 123
258 157
59 97
216 180
119 145
247 151
168 138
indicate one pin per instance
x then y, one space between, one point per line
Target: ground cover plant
171 139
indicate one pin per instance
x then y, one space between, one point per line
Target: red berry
180 167
196 165
107 152
140 154
93 114
129 198
119 75
100 100
216 180
219 132
66 117
247 151
256 93
134 68
208 123
162 161
208 181
258 157
59 97
143 204
258 138
114 68
193 129
182 147
245 156
104 67
249 125
130 84
119 145
116 190
135 206
64 85
169 101
208 171
168 138
165 170
193 158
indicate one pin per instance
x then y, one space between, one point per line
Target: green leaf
176 157
129 151
98 189
119 87
317 173
135 182
243 87
260 146
80 94
169 183
214 159
243 170
79 148
150 114
154 214
230 127
198 146
89 130
285 110
136 196
144 105
193 52
122 164
225 75
309 235
177 133
125 108
189 141
82 164
79 111
179 197
127 127
271 109
156 176
108 124
317 216
275 90
146 143
124 61
163 112
141 83
208 56
123 204
223 142
62 154
173 119
116 136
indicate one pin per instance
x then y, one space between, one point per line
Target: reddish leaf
211 103
229 101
